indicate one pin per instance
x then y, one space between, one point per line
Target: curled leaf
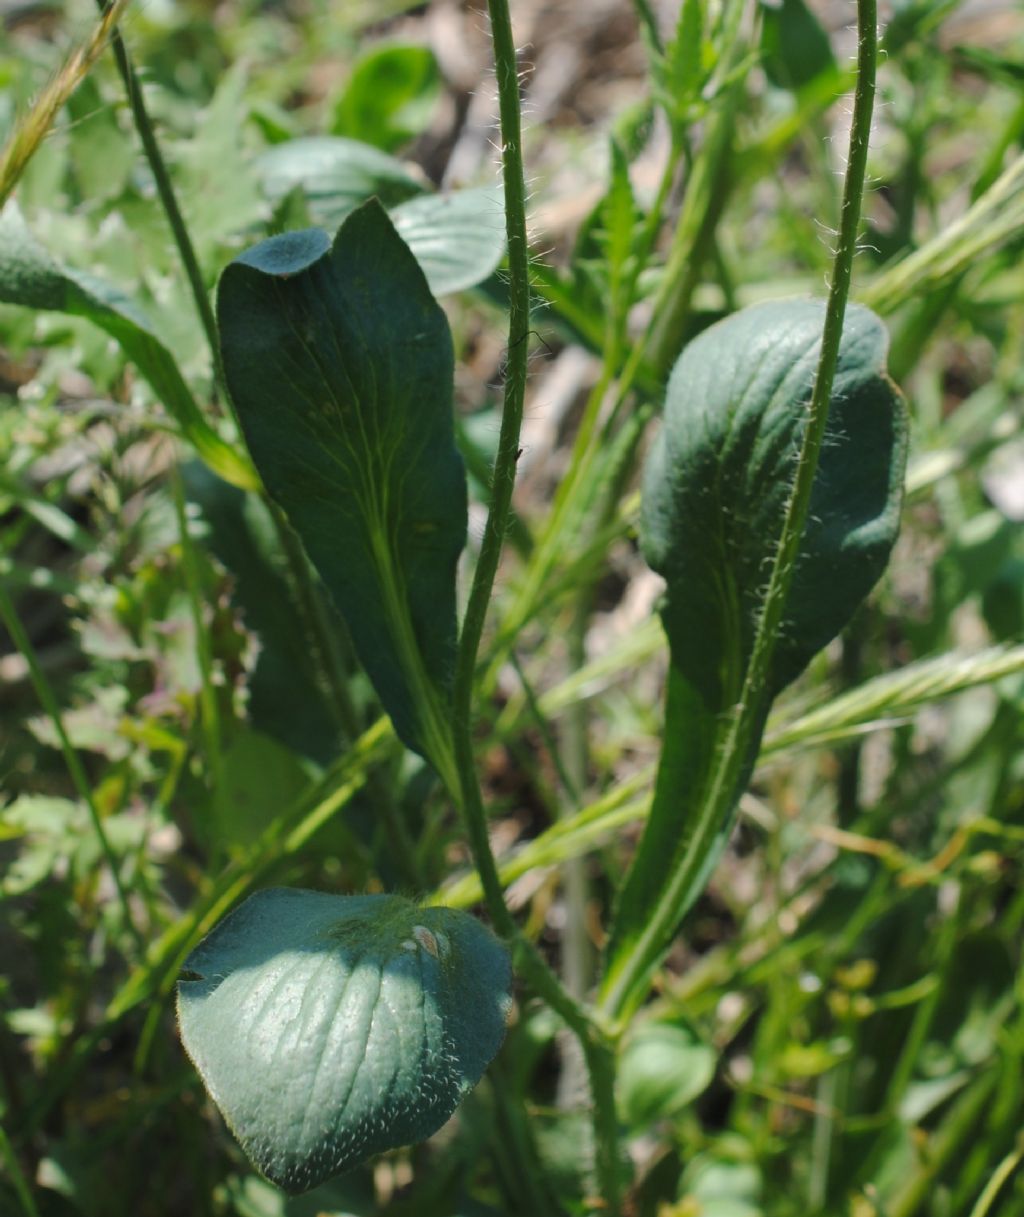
716 487
340 364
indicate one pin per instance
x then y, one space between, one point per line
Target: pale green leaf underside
340 364
335 175
458 237
30 277
662 1069
331 1028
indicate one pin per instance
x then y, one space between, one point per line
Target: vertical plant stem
625 989
545 983
209 710
17 1176
517 356
168 199
999 1178
576 952
835 313
12 622
691 244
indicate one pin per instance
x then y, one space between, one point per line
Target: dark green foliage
340 365
286 693
839 1027
719 476
716 486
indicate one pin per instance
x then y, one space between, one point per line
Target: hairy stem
530 963
624 990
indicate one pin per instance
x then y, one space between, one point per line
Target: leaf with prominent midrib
331 1028
30 277
716 486
341 368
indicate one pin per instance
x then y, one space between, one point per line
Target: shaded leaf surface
720 474
286 698
340 364
331 1028
30 277
715 491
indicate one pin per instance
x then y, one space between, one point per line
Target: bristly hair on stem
626 990
597 1050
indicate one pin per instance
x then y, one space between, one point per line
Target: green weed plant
287 679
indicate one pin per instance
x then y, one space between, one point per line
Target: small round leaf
331 1028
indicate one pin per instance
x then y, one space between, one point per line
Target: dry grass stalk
30 132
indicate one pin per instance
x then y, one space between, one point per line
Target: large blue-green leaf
30 277
340 364
715 491
720 474
331 1028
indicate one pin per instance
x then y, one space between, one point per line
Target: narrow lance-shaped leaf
30 277
679 74
715 492
340 364
331 1028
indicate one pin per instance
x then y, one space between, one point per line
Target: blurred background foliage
841 1029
